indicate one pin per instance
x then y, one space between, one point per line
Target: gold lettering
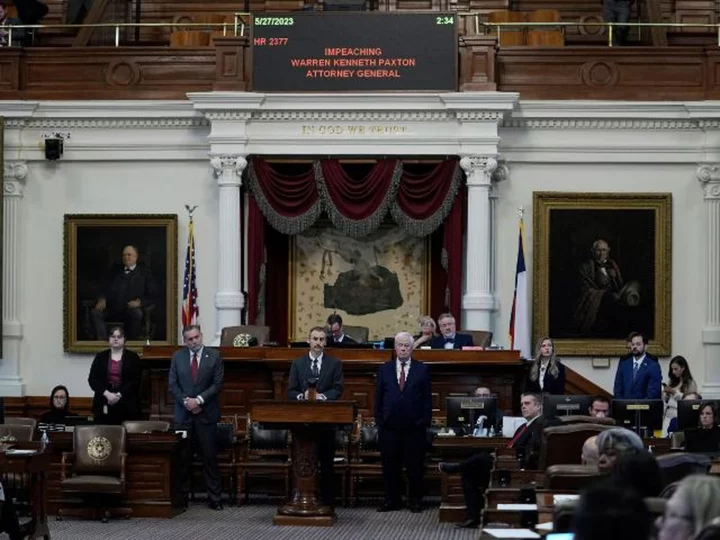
352 130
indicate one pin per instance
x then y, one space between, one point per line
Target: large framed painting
602 269
379 282
120 270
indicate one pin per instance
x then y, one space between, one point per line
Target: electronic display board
354 51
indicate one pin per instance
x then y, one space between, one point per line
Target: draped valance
418 197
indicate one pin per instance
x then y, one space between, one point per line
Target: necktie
636 367
194 366
402 376
517 435
315 368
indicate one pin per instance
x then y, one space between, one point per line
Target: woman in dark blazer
547 374
115 379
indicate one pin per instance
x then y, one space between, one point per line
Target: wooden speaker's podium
303 418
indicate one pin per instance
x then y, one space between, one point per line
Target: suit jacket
120 288
528 444
330 381
551 385
647 383
461 340
346 339
129 382
209 384
410 408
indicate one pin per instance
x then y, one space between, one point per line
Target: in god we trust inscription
346 130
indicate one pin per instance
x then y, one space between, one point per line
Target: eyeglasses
60 398
117 336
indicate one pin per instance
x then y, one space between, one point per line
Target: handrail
609 25
237 25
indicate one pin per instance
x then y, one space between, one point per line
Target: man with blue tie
449 338
638 375
195 380
325 372
403 410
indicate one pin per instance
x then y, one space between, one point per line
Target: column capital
228 168
14 175
479 169
709 177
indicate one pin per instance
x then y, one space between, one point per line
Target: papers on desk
516 506
510 425
559 499
15 452
511 533
545 527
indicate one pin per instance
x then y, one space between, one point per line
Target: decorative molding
359 116
709 177
113 123
14 175
226 167
478 169
228 115
603 124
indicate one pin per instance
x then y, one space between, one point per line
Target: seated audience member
476 470
59 407
482 391
485 392
709 436
615 443
336 334
708 416
17 34
673 425
693 506
428 331
680 383
600 407
640 472
449 338
590 454
608 511
547 374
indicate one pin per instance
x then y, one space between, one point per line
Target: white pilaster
229 301
478 300
14 175
709 176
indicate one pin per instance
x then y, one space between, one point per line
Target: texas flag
519 320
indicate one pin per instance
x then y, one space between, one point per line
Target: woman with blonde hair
693 506
547 374
428 330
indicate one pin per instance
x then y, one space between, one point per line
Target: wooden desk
36 467
151 472
255 373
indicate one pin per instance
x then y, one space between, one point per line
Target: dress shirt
637 362
541 375
449 341
398 367
129 269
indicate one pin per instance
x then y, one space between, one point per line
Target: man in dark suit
336 336
128 290
476 470
403 410
326 373
449 338
638 375
195 381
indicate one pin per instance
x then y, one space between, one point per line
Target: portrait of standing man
325 372
403 411
195 382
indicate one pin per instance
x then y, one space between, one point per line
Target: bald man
590 453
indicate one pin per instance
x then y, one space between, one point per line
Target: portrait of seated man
129 289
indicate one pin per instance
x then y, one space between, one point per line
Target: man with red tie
403 410
475 470
195 380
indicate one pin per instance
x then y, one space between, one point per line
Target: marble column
478 300
14 175
229 301
709 176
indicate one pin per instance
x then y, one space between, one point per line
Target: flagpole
189 310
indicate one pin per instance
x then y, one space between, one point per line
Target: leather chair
481 338
583 419
145 426
229 333
570 477
677 465
95 471
341 466
563 444
16 432
358 333
265 453
227 458
21 421
366 462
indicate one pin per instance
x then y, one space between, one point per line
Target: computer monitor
688 412
349 345
705 441
554 406
78 420
643 416
463 412
299 345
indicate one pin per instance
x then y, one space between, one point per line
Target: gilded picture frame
379 282
99 266
602 267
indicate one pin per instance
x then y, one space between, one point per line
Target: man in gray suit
326 373
196 379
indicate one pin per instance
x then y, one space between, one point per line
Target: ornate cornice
604 123
709 177
111 123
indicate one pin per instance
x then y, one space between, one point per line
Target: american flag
190 310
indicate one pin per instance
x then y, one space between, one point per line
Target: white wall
68 187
